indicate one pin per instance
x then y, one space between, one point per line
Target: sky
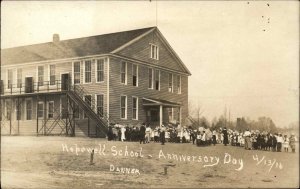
243 55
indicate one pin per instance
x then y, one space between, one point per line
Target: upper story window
154 51
170 89
19 77
88 71
41 75
52 74
150 77
134 75
76 69
9 78
100 70
157 80
124 73
178 84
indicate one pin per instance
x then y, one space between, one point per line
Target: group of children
202 137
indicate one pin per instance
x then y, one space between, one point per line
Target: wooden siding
117 89
140 50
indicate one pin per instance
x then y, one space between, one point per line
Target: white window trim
137 75
96 100
172 83
80 64
96 70
126 65
126 101
16 78
37 76
48 109
179 91
158 79
157 51
152 70
83 62
6 83
40 102
49 72
137 108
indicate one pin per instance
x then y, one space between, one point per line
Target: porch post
160 115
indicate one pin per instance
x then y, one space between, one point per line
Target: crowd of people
250 140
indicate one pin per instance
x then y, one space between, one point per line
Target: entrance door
28 85
64 81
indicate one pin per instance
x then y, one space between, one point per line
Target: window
124 73
8 109
157 79
52 74
134 75
134 108
40 75
150 76
40 110
88 100
18 110
170 82
100 70
50 109
100 105
178 84
19 78
28 109
9 78
154 52
88 71
76 69
124 107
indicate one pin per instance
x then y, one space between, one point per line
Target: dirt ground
52 162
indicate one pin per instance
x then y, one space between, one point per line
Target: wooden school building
77 87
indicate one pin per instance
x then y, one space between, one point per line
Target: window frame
10 78
154 51
178 82
50 76
137 75
157 70
18 111
38 110
135 109
97 105
48 110
27 110
101 71
19 77
84 71
172 83
73 72
152 70
40 83
125 73
125 112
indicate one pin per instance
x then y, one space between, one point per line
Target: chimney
55 38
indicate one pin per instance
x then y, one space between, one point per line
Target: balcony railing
35 87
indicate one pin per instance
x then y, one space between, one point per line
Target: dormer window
154 51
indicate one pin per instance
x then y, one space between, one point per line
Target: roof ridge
65 40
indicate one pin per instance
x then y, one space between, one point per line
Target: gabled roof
79 47
93 45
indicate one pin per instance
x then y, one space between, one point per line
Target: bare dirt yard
64 162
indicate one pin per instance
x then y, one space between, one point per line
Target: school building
77 87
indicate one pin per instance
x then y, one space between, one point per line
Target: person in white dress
123 129
286 143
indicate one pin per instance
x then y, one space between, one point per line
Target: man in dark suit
142 133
